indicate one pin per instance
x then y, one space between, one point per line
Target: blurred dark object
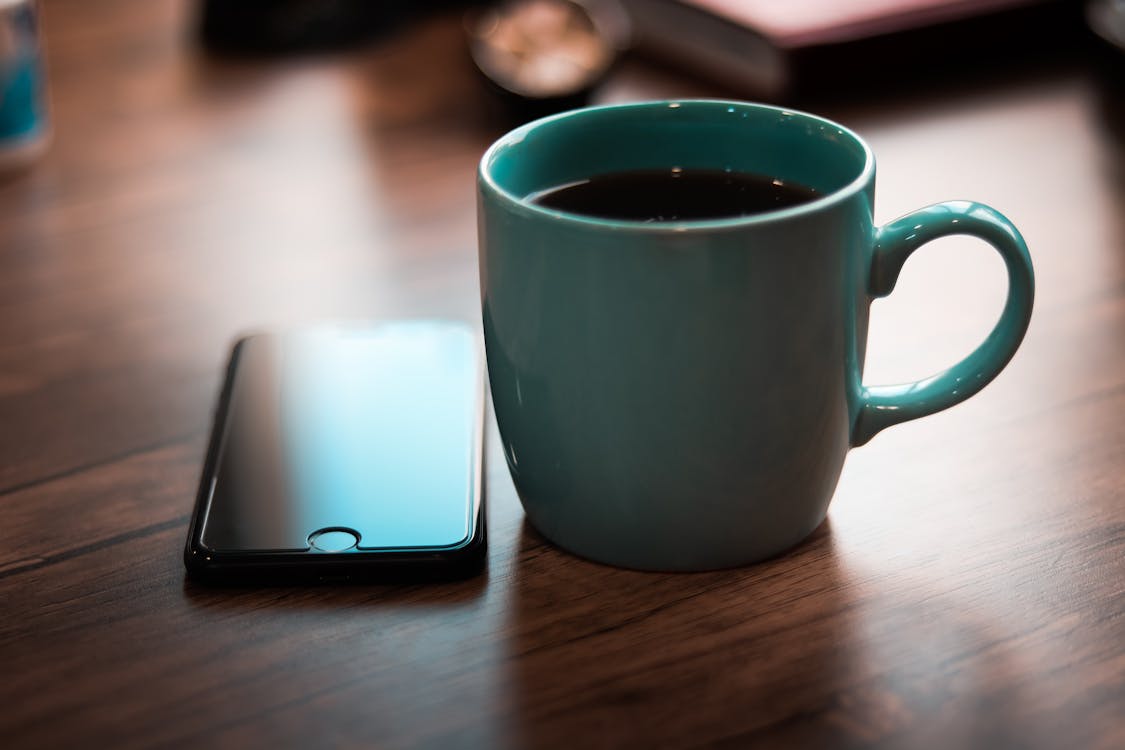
1107 19
779 50
264 27
546 56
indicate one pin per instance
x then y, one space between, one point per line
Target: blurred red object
761 47
801 23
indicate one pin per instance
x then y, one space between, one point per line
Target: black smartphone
345 453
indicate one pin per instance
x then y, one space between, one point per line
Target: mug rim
521 204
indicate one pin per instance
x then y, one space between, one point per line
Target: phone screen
338 439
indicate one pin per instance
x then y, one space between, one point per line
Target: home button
333 540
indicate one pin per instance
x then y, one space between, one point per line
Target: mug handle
881 406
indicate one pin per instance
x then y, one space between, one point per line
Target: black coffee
675 195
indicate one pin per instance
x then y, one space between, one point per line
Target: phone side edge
197 558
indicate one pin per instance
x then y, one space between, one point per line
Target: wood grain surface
968 589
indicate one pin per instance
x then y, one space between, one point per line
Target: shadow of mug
603 656
797 651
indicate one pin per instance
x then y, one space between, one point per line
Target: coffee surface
675 194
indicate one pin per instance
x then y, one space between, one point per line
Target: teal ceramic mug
681 396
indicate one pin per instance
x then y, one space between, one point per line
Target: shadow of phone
409 588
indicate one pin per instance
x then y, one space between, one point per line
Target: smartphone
345 453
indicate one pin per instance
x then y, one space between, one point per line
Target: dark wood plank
967 591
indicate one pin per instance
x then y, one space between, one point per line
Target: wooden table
968 589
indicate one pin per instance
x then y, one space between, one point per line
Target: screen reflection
373 430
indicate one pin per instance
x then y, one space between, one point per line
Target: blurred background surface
209 175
